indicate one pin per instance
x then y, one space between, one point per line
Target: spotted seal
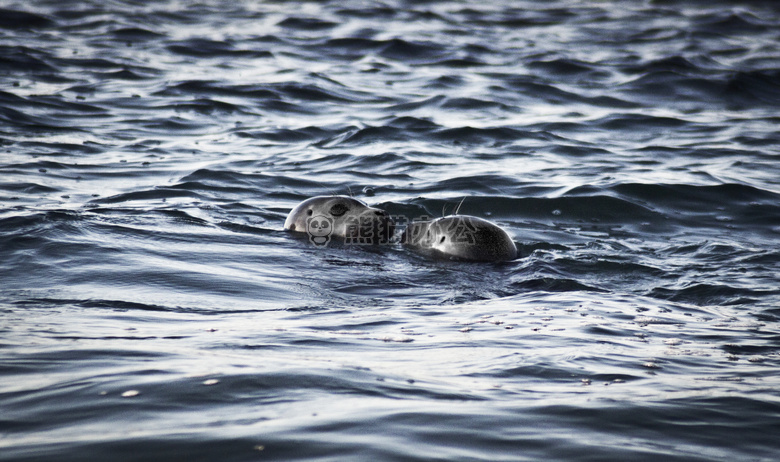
325 217
460 237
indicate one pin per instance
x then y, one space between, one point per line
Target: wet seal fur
460 237
323 217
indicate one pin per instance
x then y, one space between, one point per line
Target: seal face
460 237
324 217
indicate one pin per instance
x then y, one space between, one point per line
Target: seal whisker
330 190
461 203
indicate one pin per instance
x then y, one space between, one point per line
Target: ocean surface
152 308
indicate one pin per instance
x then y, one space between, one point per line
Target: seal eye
309 212
338 210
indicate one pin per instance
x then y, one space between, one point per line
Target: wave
204 48
552 285
712 294
136 34
676 84
15 19
306 24
157 194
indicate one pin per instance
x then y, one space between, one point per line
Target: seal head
323 217
460 237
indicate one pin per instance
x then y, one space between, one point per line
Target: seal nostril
380 213
442 239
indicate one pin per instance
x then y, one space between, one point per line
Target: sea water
153 308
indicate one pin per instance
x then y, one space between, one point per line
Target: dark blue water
152 307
